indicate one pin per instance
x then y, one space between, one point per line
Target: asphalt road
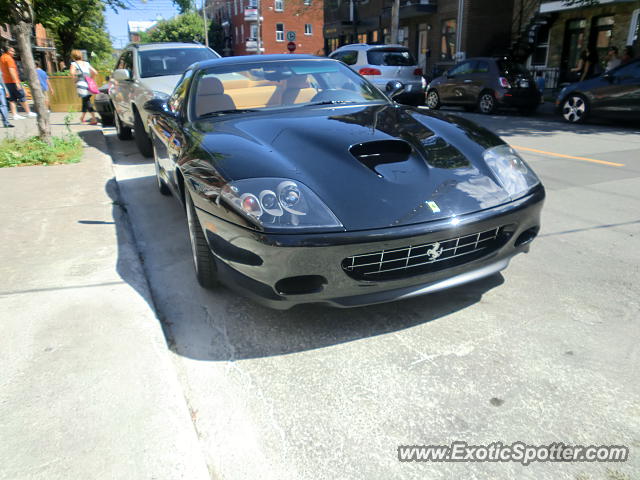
546 352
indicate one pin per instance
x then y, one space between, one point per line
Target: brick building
438 32
555 34
249 22
44 48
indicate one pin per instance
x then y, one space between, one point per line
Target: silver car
143 72
381 64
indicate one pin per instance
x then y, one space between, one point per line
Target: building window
235 7
308 29
279 5
362 38
448 40
253 31
237 39
307 2
242 39
603 32
634 28
279 32
539 55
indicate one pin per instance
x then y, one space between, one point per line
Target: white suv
383 63
143 72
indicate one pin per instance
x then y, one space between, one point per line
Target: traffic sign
291 46
291 36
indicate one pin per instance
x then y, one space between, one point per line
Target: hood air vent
372 154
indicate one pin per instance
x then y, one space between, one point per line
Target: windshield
171 61
278 84
391 57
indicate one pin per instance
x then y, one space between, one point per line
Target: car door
168 135
453 89
476 80
619 94
123 89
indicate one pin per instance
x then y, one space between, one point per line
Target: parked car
103 106
142 72
303 183
383 63
615 94
487 84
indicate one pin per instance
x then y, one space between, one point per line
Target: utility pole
395 20
204 18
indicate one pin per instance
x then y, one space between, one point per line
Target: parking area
545 352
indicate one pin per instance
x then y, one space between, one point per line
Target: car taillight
504 83
369 71
418 71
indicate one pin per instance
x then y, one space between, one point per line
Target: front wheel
142 138
487 103
433 100
203 261
575 109
123 132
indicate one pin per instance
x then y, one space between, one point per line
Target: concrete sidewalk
87 388
28 127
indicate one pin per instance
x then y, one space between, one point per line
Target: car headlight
514 174
279 203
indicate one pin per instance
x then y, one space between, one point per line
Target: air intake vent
372 154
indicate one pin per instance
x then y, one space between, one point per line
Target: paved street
546 352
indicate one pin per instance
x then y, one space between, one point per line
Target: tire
122 131
203 261
575 108
487 103
163 188
433 100
141 137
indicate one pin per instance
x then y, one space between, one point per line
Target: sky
138 10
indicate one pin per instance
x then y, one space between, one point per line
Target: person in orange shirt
12 83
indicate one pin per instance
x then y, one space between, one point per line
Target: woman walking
83 70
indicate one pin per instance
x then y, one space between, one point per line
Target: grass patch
16 152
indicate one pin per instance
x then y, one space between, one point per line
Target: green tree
75 24
20 14
187 27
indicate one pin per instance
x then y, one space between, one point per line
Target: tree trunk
395 20
23 37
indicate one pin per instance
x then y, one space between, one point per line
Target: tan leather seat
297 90
211 97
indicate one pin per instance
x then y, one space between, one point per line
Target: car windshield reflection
253 87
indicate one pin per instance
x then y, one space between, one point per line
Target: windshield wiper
331 102
225 112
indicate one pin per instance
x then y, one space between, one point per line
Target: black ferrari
304 183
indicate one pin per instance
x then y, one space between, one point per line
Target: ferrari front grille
424 258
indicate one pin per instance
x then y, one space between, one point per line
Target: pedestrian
579 68
12 83
612 58
4 113
81 70
47 89
540 83
627 55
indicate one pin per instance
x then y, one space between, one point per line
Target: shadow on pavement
221 325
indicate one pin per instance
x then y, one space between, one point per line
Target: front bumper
256 264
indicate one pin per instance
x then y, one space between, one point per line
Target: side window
350 57
176 100
462 69
126 61
481 67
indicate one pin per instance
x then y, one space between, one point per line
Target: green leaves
187 27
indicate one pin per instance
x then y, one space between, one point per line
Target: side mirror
121 75
159 106
394 88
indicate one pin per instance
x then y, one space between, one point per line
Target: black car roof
239 60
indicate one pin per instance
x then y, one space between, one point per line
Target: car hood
373 166
164 84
